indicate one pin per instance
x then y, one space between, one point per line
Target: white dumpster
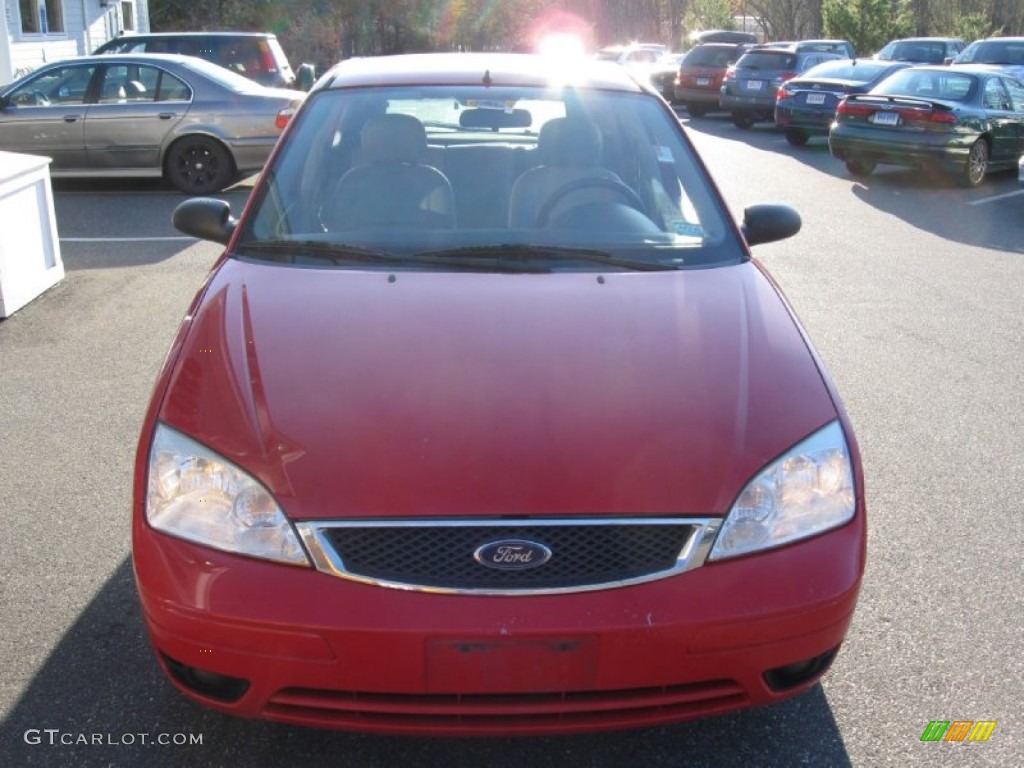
29 249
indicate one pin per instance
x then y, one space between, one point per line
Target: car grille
442 555
481 714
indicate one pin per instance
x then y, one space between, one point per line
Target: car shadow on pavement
99 699
927 199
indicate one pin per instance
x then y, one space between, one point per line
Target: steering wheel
589 182
41 100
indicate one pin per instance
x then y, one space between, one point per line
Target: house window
41 17
127 17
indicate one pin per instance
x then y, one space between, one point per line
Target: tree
710 14
787 19
868 24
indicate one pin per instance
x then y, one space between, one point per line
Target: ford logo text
512 554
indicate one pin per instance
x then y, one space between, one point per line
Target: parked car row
962 115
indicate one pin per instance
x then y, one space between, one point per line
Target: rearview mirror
206 218
494 119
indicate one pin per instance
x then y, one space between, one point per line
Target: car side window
995 95
1016 90
63 85
170 88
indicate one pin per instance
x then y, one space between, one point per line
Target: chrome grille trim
325 558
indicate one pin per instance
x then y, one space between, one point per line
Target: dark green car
966 120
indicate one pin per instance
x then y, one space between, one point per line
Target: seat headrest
569 141
393 138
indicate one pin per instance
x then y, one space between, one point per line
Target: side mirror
206 218
768 223
305 77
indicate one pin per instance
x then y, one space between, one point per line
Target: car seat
570 152
391 187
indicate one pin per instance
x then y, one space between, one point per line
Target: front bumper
313 649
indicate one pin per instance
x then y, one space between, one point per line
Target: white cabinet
29 249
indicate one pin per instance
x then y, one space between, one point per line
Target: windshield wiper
523 252
289 251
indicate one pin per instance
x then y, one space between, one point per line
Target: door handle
165 115
72 118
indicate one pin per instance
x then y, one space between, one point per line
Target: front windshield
469 171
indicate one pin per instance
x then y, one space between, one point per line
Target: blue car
749 87
805 106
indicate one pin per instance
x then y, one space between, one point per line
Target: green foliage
709 14
868 24
973 26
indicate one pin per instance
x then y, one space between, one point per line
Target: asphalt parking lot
911 291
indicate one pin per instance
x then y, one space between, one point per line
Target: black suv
255 55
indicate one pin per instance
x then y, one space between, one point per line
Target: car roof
108 58
164 35
499 69
730 46
972 68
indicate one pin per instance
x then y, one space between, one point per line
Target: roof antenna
487 78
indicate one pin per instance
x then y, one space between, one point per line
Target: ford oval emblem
512 554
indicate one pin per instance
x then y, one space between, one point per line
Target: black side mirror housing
206 218
305 76
768 223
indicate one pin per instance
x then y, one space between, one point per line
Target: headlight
805 492
195 494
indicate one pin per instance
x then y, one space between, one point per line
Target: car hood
359 393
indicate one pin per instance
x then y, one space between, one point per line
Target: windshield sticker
664 154
686 228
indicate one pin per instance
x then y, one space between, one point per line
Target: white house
33 32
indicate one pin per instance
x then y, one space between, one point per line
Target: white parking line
992 199
124 239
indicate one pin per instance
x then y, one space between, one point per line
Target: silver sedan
145 115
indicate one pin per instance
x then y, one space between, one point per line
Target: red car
700 74
486 422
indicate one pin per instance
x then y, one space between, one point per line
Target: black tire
199 165
859 168
696 110
976 166
744 120
796 137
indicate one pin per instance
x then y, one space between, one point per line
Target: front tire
860 168
199 165
976 167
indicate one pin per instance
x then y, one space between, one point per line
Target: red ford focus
486 422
